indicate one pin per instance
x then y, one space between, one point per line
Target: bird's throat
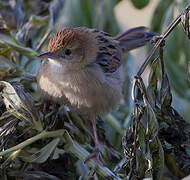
54 63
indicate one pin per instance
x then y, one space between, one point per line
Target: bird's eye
67 51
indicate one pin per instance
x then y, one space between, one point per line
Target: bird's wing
134 38
109 55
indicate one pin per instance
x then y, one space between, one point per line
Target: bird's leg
96 154
95 134
46 105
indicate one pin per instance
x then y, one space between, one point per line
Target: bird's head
72 48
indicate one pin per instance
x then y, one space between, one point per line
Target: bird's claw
97 156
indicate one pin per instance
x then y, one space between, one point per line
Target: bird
83 70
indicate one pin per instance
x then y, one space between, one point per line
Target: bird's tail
134 38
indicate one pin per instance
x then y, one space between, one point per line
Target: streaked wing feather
109 54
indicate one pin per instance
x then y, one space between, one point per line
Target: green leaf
8 39
140 4
152 83
19 47
42 135
148 156
20 104
165 93
158 158
76 149
159 13
152 127
153 76
173 166
141 137
11 157
141 163
43 154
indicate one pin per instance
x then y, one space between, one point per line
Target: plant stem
43 134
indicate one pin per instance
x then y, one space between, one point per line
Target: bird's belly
92 98
51 90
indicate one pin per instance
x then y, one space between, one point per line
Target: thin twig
43 39
174 23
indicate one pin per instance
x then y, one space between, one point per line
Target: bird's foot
97 156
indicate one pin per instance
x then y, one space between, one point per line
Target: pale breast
48 84
91 92
88 91
49 87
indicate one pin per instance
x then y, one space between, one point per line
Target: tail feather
134 38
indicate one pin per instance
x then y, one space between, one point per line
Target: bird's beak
47 55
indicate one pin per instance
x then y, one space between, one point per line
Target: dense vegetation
146 137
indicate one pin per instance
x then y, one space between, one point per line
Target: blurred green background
25 28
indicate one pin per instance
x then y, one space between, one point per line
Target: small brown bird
82 69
